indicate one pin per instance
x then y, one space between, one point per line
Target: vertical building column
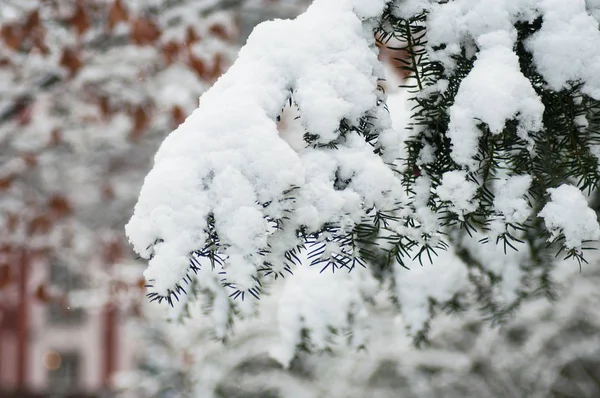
23 320
4 306
3 313
109 343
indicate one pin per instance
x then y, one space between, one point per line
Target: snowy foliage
248 172
568 212
500 121
531 355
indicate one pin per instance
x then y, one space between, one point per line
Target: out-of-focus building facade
48 348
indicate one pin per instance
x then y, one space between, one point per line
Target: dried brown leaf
30 159
55 137
79 20
70 60
39 225
191 36
219 31
6 182
141 120
144 31
198 66
6 275
177 115
117 13
170 51
60 206
42 293
12 36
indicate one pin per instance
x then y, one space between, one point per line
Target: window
63 370
65 279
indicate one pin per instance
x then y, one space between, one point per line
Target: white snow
229 157
494 91
567 29
319 301
510 202
415 286
568 213
231 160
506 264
460 192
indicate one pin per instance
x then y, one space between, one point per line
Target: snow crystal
568 213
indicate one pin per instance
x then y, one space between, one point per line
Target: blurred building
49 349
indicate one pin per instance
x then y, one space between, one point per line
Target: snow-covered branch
228 161
503 139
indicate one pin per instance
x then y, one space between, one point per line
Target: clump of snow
396 131
368 9
567 26
414 287
506 264
458 191
593 7
318 302
510 201
568 213
228 160
494 91
463 22
426 217
409 8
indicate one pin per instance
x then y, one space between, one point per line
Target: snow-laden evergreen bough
495 176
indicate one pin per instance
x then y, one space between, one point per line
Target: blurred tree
87 91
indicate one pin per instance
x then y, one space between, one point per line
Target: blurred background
88 90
